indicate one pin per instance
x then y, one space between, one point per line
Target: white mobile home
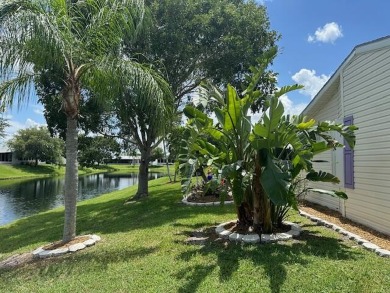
359 93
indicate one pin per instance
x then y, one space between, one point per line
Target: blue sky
317 35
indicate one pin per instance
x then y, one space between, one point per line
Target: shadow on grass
49 170
90 260
272 258
102 216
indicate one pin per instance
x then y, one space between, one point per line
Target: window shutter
348 160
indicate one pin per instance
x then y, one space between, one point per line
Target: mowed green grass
143 249
9 172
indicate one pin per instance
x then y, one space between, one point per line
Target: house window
348 160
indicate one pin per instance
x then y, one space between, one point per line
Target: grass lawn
9 172
143 250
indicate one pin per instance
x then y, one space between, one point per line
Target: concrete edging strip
255 238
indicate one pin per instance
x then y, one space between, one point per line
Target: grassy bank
9 172
143 250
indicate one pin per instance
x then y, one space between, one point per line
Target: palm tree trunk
265 208
143 175
262 221
71 180
256 195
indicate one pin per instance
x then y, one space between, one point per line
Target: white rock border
361 241
213 203
255 238
44 253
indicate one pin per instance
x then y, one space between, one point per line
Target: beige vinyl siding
367 97
330 111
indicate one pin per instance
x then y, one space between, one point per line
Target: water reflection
33 196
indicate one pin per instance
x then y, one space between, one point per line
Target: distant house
359 93
6 156
124 159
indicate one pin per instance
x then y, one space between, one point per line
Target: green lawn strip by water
126 168
143 250
9 172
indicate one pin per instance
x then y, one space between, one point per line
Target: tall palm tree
81 38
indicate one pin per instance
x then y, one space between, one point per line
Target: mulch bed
206 198
60 244
380 239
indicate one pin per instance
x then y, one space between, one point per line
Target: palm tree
81 39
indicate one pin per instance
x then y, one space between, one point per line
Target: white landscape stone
96 237
302 213
283 236
251 238
370 246
220 228
225 234
37 251
269 238
294 226
361 241
235 237
336 228
77 246
327 224
45 253
383 252
344 232
59 251
89 242
352 236
293 233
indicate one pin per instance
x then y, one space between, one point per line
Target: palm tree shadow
273 258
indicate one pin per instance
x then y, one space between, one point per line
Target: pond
29 197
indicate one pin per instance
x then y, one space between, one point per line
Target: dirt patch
380 239
206 198
16 260
60 244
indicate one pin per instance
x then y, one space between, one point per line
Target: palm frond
16 90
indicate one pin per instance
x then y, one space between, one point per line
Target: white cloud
290 107
15 126
38 109
329 33
312 83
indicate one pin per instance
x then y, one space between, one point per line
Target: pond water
29 197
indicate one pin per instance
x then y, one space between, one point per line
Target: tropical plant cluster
260 161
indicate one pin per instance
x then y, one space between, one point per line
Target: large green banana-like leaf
333 193
306 125
276 111
347 131
286 89
275 183
233 113
201 118
322 176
